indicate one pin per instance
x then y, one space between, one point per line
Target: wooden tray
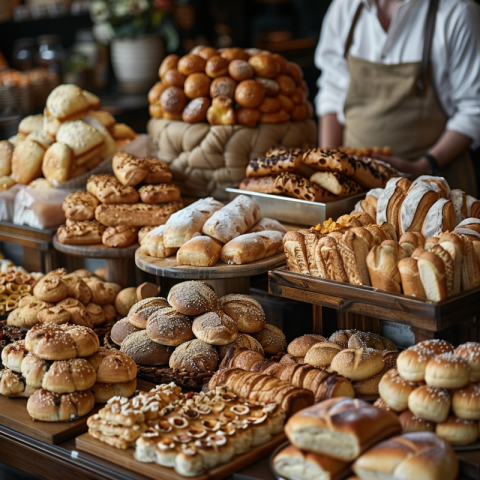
13 414
167 267
95 251
423 314
124 458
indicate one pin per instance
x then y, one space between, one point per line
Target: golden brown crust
107 189
113 366
80 206
160 193
121 236
81 233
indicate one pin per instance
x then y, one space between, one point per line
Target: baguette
440 218
107 189
383 270
390 202
295 252
378 234
136 215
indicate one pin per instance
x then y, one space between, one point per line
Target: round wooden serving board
167 267
95 251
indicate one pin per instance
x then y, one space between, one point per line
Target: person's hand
418 167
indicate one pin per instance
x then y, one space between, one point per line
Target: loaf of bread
153 244
295 252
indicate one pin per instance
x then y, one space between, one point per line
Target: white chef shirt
455 55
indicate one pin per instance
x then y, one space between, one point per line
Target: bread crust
80 206
107 189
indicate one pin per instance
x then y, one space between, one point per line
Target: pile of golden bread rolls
434 388
230 86
72 137
112 211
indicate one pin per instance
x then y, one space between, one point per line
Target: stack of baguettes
337 435
315 175
355 250
434 388
63 372
112 210
207 231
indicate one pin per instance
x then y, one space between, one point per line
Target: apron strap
427 46
349 40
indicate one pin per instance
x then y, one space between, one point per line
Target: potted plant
139 32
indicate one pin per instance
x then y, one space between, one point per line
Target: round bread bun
457 432
155 111
466 402
287 85
215 328
173 78
144 351
191 63
223 87
194 356
169 327
245 360
270 105
447 371
103 392
412 362
217 66
248 116
231 54
365 340
245 310
272 339
301 345
77 288
240 70
295 71
284 66
341 337
170 62
156 92
242 341
78 312
249 94
27 315
60 407
411 423
470 351
61 342
394 390
56 314
139 314
197 85
68 376
430 403
438 346
358 363
379 403
96 314
13 355
113 366
265 66
125 300
50 289
272 88
122 329
321 354
173 101
286 103
196 110
207 52
192 298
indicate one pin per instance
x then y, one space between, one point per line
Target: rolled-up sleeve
463 48
329 58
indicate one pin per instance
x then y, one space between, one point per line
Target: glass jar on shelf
50 54
23 54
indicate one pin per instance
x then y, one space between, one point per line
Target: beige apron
395 105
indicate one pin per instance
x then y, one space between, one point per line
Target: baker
403 73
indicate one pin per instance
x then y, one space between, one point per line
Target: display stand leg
317 320
121 271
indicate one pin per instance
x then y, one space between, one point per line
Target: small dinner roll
96 314
411 423
191 64
223 87
193 298
301 345
284 66
173 78
366 340
156 92
245 311
196 110
50 289
173 101
144 351
447 371
270 105
139 314
240 70
272 339
466 402
197 85
322 354
411 363
438 346
272 88
155 111
207 52
56 314
358 363
217 66
295 71
430 403
170 62
287 85
277 117
457 432
221 112
249 94
215 328
248 116
121 330
264 65
234 54
169 327
194 356
103 392
394 390
470 351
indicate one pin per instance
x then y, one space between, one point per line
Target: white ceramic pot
135 62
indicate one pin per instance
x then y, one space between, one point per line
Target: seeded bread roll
358 364
322 354
394 390
470 351
166 326
245 310
430 403
447 370
12 384
113 366
437 346
272 339
411 363
192 298
107 189
75 232
411 423
457 431
103 392
144 351
141 311
246 360
215 328
341 337
301 345
160 193
121 330
80 206
466 402
55 407
194 356
242 341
